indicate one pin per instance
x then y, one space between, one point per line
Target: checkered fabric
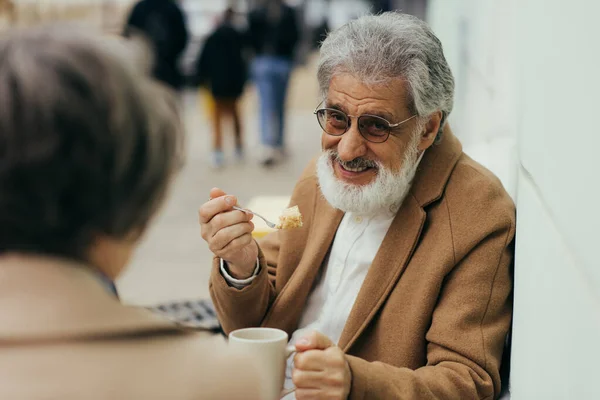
198 314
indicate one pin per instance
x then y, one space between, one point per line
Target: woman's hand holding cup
228 233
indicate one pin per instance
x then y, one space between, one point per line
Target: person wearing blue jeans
273 35
271 75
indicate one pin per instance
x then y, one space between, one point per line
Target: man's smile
357 171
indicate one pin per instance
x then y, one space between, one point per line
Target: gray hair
378 48
88 145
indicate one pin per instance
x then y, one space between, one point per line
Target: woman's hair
87 144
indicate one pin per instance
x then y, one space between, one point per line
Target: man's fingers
335 357
314 340
320 368
205 232
317 380
239 246
310 360
215 206
216 192
228 219
233 246
229 234
309 394
307 379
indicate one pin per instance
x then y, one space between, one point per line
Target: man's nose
352 145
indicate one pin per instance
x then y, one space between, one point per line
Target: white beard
385 193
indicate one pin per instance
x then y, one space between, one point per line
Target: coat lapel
386 269
402 238
289 304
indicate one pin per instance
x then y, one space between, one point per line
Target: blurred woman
88 148
274 36
221 69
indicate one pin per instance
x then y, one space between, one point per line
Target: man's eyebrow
383 114
335 106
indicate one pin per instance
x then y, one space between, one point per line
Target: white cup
269 347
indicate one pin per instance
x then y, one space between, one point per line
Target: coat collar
435 169
43 298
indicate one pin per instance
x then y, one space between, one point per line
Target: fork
269 223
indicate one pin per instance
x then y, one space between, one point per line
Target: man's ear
431 130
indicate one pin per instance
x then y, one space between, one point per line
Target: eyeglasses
371 127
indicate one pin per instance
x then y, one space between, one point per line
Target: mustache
358 162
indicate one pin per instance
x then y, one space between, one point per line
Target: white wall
527 104
477 36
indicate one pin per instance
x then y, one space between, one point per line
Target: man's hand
320 369
228 233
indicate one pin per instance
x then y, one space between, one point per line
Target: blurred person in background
274 35
162 23
221 69
398 285
88 149
7 11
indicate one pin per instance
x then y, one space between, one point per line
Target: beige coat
432 315
63 336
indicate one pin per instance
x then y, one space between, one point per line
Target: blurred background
525 106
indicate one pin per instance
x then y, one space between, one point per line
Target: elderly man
398 285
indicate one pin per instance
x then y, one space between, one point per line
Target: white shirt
356 243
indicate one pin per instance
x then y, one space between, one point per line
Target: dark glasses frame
367 136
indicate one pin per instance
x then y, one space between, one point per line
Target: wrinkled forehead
352 94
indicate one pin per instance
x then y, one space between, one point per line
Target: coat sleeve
466 336
247 307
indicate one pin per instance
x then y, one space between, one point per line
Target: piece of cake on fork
290 218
